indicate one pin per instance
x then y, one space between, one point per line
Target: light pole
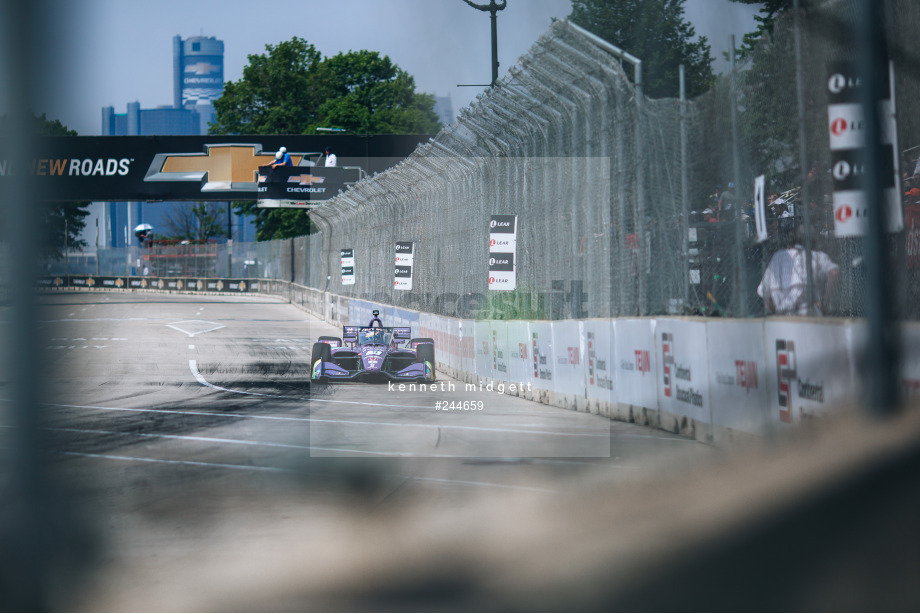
493 7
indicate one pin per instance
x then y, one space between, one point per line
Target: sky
111 52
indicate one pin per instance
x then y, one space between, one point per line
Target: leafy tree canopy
62 223
769 9
293 89
195 222
654 31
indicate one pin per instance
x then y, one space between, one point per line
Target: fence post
882 352
642 240
803 158
684 196
740 281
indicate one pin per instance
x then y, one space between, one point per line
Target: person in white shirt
330 157
783 287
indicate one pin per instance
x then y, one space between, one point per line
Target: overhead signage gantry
206 168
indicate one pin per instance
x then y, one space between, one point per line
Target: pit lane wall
712 379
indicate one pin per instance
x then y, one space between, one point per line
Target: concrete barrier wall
715 380
712 379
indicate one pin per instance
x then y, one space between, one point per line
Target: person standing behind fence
783 287
330 157
727 204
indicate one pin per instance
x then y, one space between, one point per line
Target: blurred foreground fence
616 196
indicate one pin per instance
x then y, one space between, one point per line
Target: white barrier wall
467 349
482 334
711 379
520 362
541 354
599 366
636 367
808 369
737 376
569 364
683 377
499 347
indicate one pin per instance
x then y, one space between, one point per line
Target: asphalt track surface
169 412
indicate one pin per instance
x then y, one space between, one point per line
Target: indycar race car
368 354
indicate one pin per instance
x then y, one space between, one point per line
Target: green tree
373 95
196 222
292 89
654 31
769 10
62 223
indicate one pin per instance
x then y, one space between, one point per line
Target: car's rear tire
425 354
322 352
415 340
338 340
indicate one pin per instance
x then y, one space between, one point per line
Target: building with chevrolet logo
198 80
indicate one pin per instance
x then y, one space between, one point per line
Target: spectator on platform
282 158
331 160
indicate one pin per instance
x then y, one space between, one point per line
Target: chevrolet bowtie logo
201 68
221 168
305 179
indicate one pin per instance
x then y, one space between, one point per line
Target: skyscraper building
198 80
198 75
444 109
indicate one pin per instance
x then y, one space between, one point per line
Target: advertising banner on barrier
636 364
568 359
738 376
483 348
848 140
468 346
541 355
600 374
683 371
181 284
857 334
809 369
520 362
451 341
502 252
499 348
404 261
348 266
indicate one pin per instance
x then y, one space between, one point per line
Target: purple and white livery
373 354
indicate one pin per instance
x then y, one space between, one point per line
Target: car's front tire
424 352
322 352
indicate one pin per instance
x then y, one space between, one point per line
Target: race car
369 354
